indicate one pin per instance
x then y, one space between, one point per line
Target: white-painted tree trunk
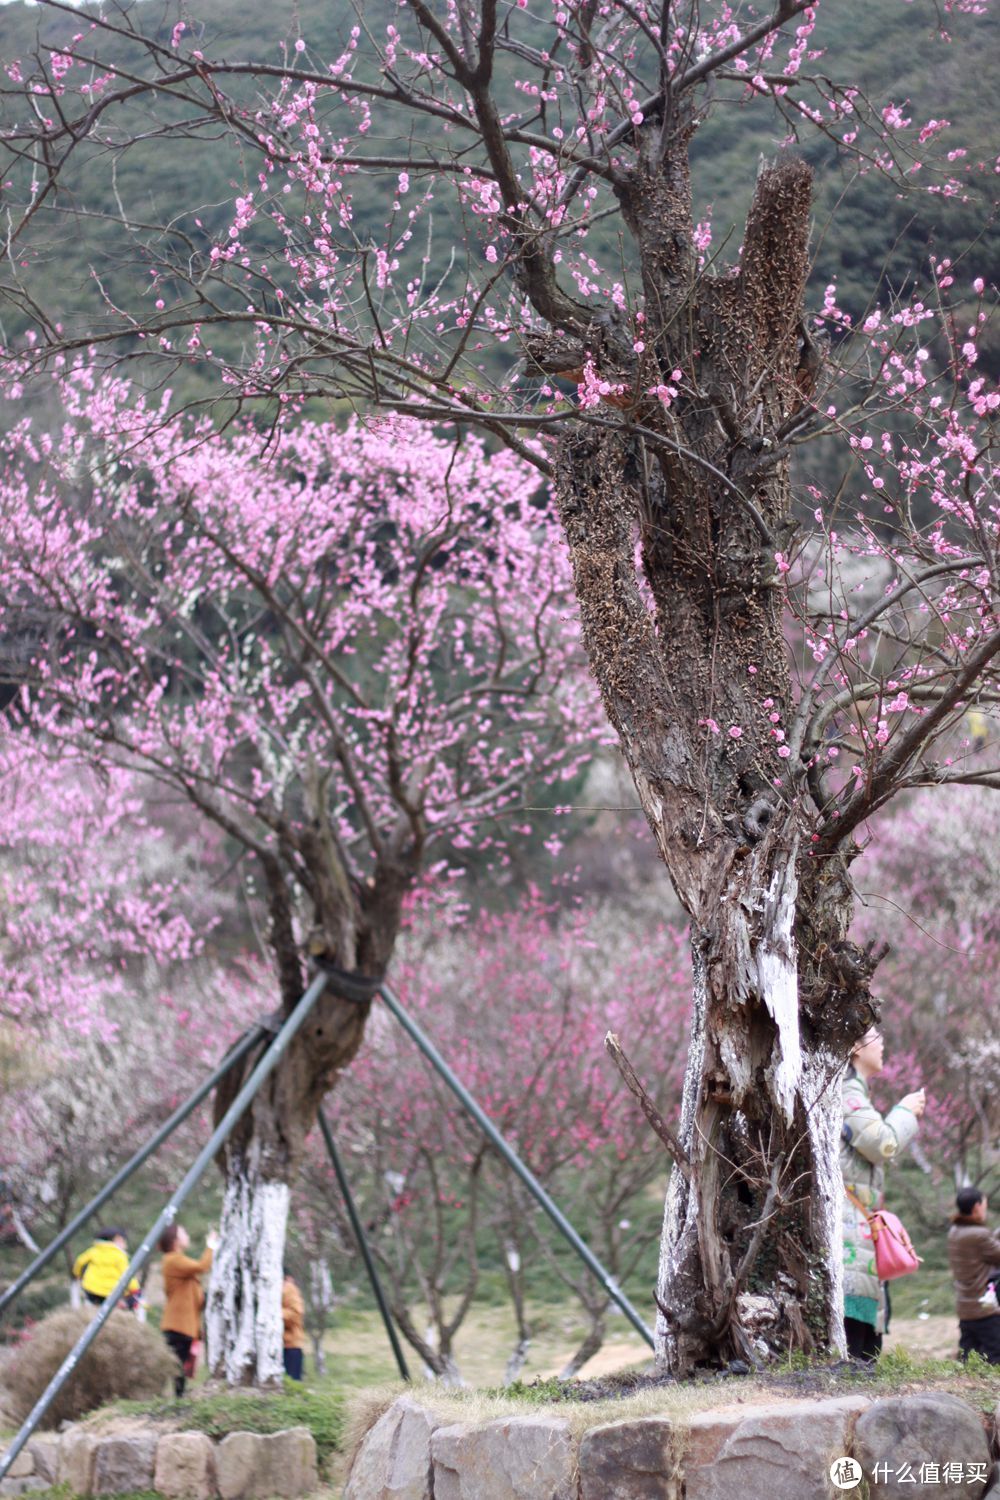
823 1073
803 1099
243 1325
679 1238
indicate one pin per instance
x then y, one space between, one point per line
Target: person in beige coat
181 1320
868 1142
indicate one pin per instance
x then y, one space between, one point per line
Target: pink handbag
894 1252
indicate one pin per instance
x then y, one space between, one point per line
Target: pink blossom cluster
90 893
374 602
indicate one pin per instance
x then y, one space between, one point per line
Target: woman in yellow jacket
100 1268
181 1320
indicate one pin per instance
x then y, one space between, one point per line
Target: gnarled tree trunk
243 1311
690 657
354 931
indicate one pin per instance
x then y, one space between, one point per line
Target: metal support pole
512 1159
362 1241
236 1110
180 1114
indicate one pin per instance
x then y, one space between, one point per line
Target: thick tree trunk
260 1163
750 1258
688 649
353 934
243 1329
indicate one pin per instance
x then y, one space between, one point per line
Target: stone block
23 1465
239 1458
515 1458
23 1485
630 1461
256 1466
903 1437
768 1452
76 1461
185 1466
124 1463
394 1461
45 1451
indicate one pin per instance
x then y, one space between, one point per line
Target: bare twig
649 1109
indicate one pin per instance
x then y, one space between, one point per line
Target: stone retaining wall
179 1465
929 1446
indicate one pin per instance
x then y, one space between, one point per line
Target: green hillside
79 258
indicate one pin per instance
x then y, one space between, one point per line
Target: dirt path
935 1337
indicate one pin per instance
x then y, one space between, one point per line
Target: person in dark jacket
974 1257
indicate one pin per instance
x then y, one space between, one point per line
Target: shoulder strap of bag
874 1222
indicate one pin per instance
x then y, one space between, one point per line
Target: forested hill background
867 235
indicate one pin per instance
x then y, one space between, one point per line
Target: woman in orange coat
292 1318
181 1321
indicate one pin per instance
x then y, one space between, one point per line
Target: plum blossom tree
561 138
338 656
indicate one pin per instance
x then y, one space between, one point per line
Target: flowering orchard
560 139
82 906
338 656
523 1006
104 974
939 914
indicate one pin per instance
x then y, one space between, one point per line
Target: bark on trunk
260 1163
687 647
516 1361
354 929
434 1350
243 1328
750 1257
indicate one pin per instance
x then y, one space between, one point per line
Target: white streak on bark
777 977
680 1211
824 1116
243 1315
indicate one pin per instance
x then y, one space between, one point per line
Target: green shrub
126 1359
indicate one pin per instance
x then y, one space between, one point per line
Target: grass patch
897 1372
63 1492
978 1380
321 1408
534 1392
